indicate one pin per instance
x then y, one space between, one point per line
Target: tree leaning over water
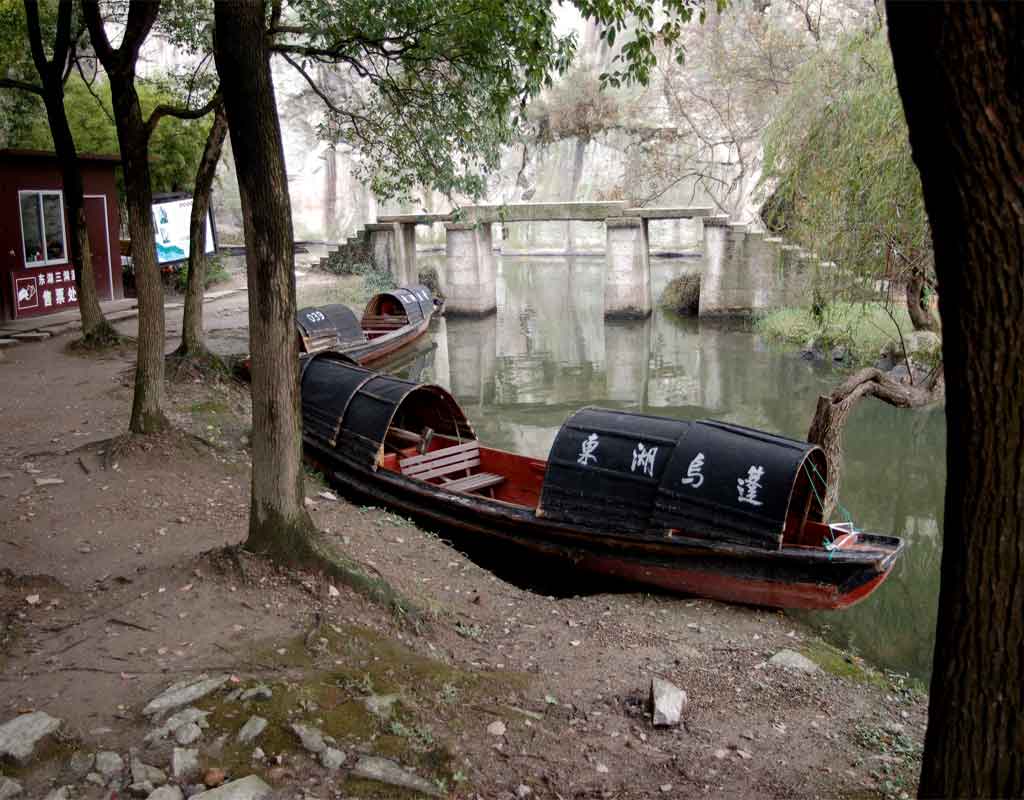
960 70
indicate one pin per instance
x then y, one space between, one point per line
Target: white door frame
106 230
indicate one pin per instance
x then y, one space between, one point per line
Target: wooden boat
390 321
701 508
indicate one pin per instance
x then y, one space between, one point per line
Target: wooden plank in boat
445 451
455 464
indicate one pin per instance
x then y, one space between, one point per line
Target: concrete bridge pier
470 269
381 244
627 280
406 272
716 231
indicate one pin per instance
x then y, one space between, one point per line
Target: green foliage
428 277
846 183
215 273
864 329
175 149
682 294
577 106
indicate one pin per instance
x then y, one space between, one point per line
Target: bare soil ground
116 582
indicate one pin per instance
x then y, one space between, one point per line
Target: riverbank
116 585
856 334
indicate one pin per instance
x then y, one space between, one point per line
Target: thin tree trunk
147 416
192 343
52 75
833 410
133 140
920 315
278 521
960 72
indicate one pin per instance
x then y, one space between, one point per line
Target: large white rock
253 727
184 763
182 693
167 793
9 788
667 703
19 736
109 764
311 738
249 788
792 660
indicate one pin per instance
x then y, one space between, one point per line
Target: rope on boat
829 542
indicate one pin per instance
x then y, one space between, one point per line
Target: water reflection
549 351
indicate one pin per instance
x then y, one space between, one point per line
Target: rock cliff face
693 137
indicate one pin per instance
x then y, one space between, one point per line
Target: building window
42 228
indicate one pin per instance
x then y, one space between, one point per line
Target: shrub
215 273
428 277
682 295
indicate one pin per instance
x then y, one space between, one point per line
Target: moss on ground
346 665
844 665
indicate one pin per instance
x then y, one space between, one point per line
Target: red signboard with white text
44 290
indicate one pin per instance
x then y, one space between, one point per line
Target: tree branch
178 112
11 83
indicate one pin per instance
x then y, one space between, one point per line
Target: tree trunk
94 325
960 71
917 305
278 522
192 343
833 410
147 416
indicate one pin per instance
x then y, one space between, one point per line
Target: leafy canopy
839 150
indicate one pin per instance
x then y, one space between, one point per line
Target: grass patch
682 295
864 329
842 664
353 290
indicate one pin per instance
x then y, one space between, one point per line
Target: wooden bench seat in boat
442 463
383 322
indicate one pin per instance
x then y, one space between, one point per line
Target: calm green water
548 351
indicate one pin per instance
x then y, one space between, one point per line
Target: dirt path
114 584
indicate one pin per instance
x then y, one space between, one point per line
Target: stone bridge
739 266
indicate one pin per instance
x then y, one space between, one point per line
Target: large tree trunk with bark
133 139
833 410
147 415
278 522
192 343
960 71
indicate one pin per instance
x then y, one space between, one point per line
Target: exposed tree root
102 338
186 365
300 544
833 409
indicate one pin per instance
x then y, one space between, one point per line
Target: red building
35 268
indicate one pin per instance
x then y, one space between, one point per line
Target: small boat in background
696 507
390 321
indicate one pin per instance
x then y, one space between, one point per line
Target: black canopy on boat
323 327
415 302
350 409
636 473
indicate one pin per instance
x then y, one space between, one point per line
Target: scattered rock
144 773
665 788
19 736
109 764
182 693
249 788
184 763
167 793
602 768
721 753
496 728
140 789
792 660
253 727
894 728
49 481
214 777
80 764
522 790
312 740
175 721
258 754
384 771
380 704
744 754
261 692
33 600
9 788
95 778
63 793
667 703
188 733
332 758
